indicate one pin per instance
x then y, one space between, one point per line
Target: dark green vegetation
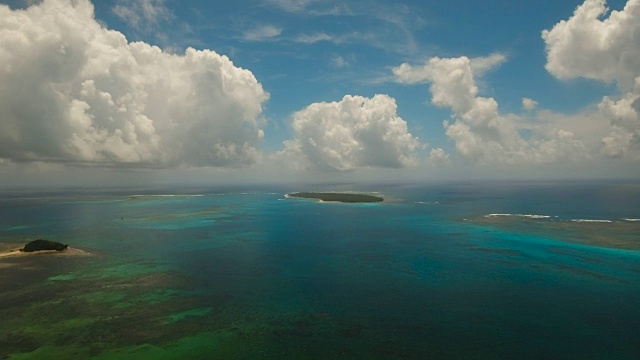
40 245
339 197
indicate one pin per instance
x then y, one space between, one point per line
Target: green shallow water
255 276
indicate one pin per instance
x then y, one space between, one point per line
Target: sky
124 92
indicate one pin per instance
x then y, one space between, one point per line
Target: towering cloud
356 132
585 46
74 91
607 50
481 133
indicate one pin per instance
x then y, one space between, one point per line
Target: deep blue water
247 273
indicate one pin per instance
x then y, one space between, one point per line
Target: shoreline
11 251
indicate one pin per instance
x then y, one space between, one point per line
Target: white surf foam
170 195
591 221
528 216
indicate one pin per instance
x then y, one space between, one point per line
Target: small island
44 245
338 197
39 247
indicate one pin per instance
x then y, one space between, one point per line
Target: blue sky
306 53
297 74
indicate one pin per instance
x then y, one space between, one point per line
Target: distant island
338 197
44 245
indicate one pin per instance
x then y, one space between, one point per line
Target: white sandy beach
12 250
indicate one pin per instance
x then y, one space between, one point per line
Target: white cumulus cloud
438 158
529 104
605 46
480 132
356 132
586 46
623 139
73 91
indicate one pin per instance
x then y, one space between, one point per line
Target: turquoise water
244 273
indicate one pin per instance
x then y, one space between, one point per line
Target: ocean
539 270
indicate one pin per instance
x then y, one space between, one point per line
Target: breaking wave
591 221
555 218
528 216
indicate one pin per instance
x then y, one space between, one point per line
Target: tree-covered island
338 197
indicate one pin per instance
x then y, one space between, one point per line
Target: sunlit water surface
248 274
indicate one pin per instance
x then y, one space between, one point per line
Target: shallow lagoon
246 274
